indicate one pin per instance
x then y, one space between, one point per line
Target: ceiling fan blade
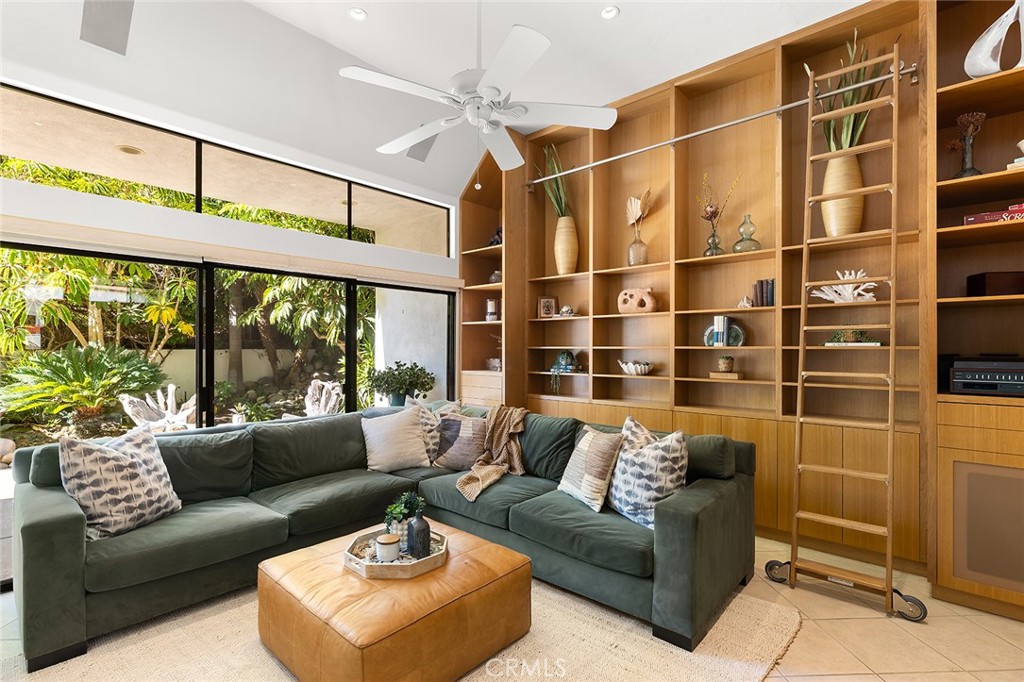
499 143
544 113
522 48
358 73
400 144
107 23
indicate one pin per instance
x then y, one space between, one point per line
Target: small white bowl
636 368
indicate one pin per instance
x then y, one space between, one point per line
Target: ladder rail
798 565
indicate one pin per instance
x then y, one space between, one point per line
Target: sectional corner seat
254 491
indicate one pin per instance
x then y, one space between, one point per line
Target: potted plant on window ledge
400 380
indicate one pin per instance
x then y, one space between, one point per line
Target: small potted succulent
398 513
725 363
400 380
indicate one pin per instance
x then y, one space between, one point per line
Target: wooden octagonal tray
361 557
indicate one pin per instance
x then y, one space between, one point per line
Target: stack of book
1016 163
764 293
1015 212
720 331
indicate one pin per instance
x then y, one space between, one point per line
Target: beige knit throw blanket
502 452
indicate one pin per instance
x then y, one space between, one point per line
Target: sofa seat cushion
201 534
492 506
604 539
422 473
321 502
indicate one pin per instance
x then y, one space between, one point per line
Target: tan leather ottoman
325 622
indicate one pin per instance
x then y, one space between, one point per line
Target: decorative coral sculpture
847 293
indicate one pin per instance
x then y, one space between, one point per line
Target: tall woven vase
842 216
567 246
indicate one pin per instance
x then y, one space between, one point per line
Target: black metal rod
721 126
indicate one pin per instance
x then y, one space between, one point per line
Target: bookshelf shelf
981 233
485 252
1003 185
980 300
997 94
763 254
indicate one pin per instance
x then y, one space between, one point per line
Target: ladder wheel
915 611
777 571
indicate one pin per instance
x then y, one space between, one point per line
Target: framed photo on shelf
547 306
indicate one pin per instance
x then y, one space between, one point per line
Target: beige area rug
571 639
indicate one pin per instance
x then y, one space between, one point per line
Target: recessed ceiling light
610 12
358 13
38 123
129 149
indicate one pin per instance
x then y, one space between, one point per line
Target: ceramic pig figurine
637 301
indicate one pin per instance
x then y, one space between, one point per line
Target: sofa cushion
208 466
422 473
199 535
120 485
547 444
604 539
322 502
590 468
492 506
648 470
461 442
395 441
286 451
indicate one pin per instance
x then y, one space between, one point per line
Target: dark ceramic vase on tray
419 537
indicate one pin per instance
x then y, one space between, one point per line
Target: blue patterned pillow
120 485
648 470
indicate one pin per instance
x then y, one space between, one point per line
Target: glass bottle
746 242
637 254
419 537
714 243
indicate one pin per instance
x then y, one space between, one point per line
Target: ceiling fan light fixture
610 12
358 13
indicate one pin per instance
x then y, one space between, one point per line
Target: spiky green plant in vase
566 242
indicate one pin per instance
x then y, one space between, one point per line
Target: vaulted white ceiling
262 75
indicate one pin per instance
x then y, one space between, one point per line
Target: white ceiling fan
482 97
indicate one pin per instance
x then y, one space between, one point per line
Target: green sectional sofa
258 490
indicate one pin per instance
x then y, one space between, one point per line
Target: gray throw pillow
649 470
120 485
461 442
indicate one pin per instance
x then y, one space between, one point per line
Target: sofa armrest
49 573
703 549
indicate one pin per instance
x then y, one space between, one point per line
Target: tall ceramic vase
567 246
842 216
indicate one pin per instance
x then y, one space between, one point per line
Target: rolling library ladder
906 606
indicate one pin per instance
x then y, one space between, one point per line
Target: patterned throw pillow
590 467
648 471
430 421
120 485
461 442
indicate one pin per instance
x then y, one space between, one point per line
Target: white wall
230 73
412 327
180 366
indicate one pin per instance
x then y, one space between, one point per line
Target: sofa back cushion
285 451
711 456
208 466
548 443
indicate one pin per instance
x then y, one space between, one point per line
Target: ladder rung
852 423
841 576
855 237
876 103
833 327
883 279
840 471
859 192
852 151
859 375
857 66
843 523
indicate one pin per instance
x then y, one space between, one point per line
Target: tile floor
845 636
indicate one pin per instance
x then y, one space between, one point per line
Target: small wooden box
405 567
995 284
724 375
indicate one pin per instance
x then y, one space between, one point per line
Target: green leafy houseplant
845 132
77 382
404 507
401 379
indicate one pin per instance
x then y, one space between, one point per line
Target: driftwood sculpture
323 397
161 414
